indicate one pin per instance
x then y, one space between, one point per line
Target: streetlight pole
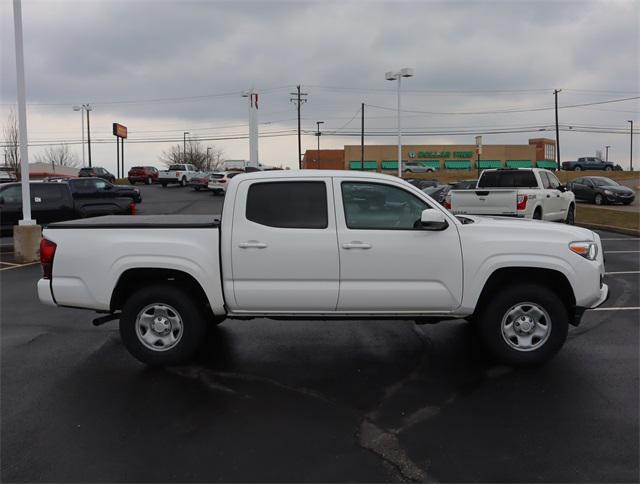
184 146
208 158
88 108
318 134
630 145
606 156
555 93
397 76
79 108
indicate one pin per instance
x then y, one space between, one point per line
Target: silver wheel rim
159 327
526 326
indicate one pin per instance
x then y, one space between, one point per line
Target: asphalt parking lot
315 400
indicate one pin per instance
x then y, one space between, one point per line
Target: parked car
218 182
464 184
98 172
143 174
601 190
53 202
415 167
200 180
7 175
180 173
340 245
588 163
438 193
99 188
419 183
520 192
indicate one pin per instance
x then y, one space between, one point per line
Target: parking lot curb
611 228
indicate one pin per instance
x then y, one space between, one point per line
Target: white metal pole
82 116
399 130
22 116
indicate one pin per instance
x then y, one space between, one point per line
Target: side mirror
432 219
563 188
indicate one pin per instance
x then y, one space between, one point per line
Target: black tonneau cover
141 222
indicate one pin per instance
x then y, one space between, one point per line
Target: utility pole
606 156
318 134
555 93
362 139
298 101
184 146
630 145
88 108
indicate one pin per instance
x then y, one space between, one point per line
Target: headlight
588 250
608 192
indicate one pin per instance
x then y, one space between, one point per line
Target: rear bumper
44 292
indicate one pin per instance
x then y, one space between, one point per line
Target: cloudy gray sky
164 67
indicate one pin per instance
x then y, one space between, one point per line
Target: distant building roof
46 169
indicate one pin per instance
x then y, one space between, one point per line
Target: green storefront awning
547 164
519 164
490 164
368 165
391 164
457 164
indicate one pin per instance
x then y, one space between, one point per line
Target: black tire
571 215
164 185
197 189
148 181
183 182
194 324
578 168
626 203
608 168
490 323
131 182
598 199
537 214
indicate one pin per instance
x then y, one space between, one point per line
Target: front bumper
579 311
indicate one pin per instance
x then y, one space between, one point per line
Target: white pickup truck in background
181 174
524 192
322 245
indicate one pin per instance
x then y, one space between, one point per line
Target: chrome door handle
252 244
356 245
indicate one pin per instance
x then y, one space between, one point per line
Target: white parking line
16 266
629 308
8 263
620 272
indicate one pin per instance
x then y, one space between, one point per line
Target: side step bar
105 319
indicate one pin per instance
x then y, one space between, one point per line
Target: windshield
601 181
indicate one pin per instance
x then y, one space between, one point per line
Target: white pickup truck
321 245
524 192
181 174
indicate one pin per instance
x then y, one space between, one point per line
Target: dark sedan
420 183
438 193
601 190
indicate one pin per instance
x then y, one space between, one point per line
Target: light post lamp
184 146
318 134
606 156
397 76
630 145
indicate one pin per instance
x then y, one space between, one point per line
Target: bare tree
11 143
58 156
203 158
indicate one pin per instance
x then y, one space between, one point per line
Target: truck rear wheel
183 182
524 324
161 325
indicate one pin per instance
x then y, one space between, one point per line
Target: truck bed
141 222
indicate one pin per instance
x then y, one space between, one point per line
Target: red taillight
132 208
222 181
47 253
447 202
522 202
178 174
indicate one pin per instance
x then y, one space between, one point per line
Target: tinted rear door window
508 179
291 205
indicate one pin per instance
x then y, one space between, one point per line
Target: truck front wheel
161 325
524 324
